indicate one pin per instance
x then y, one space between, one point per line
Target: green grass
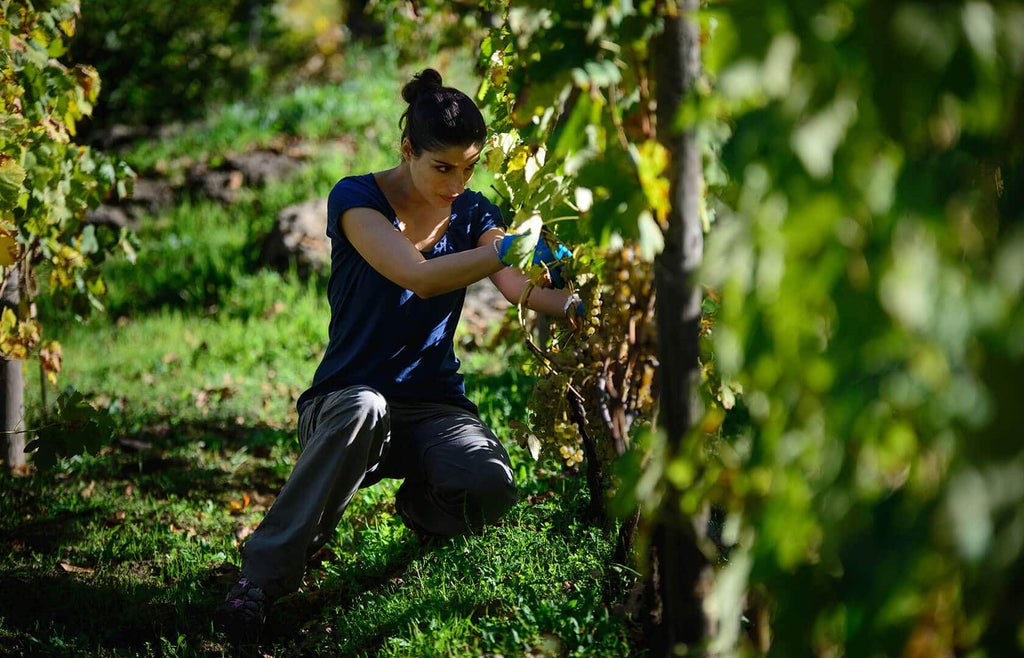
148 539
199 359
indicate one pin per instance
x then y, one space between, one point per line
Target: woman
387 400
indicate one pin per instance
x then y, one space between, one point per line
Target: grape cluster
606 360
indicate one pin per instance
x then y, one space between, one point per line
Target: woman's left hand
551 259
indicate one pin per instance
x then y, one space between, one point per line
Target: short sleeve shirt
381 334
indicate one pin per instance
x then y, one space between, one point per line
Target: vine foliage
48 182
575 159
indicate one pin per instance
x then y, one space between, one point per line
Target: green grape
616 345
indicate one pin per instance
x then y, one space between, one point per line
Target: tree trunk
12 387
677 564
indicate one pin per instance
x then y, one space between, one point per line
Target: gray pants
457 477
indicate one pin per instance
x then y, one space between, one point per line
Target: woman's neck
405 200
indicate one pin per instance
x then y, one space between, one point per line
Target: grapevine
598 382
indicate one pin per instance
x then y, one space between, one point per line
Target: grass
149 538
199 359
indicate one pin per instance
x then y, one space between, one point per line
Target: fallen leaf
115 519
70 568
236 506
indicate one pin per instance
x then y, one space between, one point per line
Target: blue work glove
542 255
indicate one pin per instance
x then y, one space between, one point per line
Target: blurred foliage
420 31
165 62
868 262
864 335
172 61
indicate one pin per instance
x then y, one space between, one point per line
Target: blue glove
542 255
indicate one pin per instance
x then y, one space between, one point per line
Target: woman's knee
363 401
354 405
351 414
491 493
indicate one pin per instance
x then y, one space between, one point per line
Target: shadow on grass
129 551
102 558
122 553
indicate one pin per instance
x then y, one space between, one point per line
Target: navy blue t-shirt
382 335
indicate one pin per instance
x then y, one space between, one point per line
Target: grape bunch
598 374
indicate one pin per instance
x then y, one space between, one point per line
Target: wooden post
677 565
12 387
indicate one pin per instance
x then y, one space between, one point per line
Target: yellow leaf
8 320
652 163
517 160
8 250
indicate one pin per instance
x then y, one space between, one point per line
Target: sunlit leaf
12 175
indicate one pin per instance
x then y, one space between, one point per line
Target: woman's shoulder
359 184
476 213
359 191
356 191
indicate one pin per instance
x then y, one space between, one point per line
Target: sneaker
243 613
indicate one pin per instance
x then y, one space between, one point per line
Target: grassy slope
125 552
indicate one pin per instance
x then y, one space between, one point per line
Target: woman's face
441 176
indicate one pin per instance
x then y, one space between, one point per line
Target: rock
253 169
218 184
148 196
261 167
299 236
153 195
109 214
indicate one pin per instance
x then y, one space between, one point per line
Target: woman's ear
406 150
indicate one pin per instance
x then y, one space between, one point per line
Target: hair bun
425 80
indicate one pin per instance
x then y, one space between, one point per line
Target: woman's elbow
422 292
510 296
425 289
510 285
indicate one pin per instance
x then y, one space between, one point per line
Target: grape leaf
522 249
12 175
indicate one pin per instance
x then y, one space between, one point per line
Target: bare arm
388 252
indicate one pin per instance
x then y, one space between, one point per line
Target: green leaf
522 249
815 142
89 244
12 175
74 428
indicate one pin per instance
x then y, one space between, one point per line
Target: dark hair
439 117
